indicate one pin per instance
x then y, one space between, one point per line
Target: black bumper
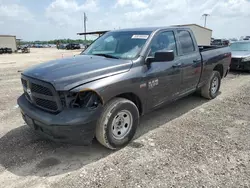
237 64
76 126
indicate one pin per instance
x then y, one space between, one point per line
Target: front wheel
211 89
118 123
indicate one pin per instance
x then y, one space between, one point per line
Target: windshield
119 44
240 46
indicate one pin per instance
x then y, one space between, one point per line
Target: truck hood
68 73
240 54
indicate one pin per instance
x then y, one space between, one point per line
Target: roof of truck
133 29
149 28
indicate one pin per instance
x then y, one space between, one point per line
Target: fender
113 86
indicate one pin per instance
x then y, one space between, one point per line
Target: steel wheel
215 85
118 123
122 124
211 89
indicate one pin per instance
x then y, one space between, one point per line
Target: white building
8 41
203 35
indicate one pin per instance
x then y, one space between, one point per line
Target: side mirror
162 56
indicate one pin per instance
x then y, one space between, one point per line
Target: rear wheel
118 123
211 89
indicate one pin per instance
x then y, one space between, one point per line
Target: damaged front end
88 99
74 123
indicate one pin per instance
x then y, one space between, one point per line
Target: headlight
246 59
83 99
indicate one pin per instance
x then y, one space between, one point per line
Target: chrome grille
41 94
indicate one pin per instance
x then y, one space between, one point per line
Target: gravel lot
190 143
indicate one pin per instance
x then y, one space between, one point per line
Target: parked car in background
62 46
38 46
52 45
25 50
6 51
232 40
73 46
121 76
82 46
220 42
46 46
240 55
246 38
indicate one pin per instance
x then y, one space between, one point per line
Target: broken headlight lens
85 99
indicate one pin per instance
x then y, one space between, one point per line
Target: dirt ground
189 143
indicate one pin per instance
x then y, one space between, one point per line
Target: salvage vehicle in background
246 38
73 46
62 46
121 76
240 55
6 51
220 42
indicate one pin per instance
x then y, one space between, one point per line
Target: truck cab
121 76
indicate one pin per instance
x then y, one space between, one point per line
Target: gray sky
52 19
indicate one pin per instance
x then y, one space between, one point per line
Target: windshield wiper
106 55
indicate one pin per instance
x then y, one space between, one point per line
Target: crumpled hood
68 73
240 54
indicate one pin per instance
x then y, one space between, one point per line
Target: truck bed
211 57
206 48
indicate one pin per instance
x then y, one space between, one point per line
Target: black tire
207 91
105 126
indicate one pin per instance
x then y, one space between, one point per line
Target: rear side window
186 42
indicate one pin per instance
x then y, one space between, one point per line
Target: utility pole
85 27
205 15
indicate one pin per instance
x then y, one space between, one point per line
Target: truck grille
46 104
41 94
40 89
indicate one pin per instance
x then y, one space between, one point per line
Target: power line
205 15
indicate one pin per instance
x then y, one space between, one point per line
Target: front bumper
76 126
237 64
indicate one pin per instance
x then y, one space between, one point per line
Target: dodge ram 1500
121 76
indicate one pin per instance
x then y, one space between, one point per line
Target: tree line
56 41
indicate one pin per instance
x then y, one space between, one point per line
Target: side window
163 41
186 42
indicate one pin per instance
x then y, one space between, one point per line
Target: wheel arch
220 69
134 98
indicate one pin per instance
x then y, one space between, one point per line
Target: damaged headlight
84 99
246 59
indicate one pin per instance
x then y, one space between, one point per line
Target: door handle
177 65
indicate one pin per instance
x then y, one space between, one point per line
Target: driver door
164 78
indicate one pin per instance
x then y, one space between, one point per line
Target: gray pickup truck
121 76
